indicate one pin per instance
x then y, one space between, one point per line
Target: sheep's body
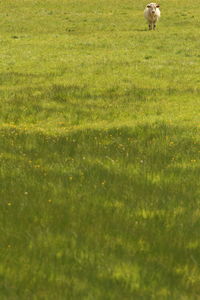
152 15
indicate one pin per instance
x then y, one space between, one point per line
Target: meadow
99 150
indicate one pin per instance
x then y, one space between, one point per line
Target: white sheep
152 14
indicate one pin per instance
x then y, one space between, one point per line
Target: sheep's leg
154 25
150 26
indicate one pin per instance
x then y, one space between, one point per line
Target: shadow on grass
62 93
141 30
17 78
117 209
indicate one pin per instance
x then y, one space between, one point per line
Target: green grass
99 151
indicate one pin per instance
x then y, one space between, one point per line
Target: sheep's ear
148 6
157 5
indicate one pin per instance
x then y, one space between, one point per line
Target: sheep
152 14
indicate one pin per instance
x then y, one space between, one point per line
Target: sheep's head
152 7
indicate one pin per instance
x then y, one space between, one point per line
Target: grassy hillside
99 150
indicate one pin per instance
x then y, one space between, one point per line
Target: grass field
99 150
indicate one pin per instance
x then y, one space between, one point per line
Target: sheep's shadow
141 30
